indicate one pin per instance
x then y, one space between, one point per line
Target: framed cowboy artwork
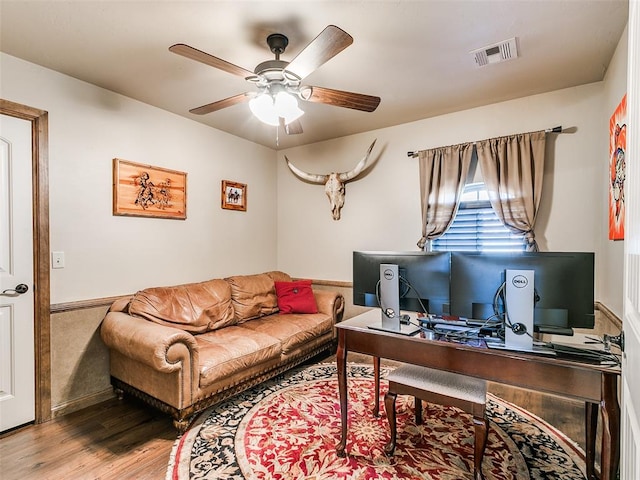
234 196
146 191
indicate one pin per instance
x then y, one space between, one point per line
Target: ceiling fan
279 82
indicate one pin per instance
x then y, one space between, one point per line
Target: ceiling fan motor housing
270 66
271 76
272 72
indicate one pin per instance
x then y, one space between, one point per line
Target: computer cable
517 328
461 336
389 311
412 288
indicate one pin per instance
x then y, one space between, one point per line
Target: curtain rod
557 129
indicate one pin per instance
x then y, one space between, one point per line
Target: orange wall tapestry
617 170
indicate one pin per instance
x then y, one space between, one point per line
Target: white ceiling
412 54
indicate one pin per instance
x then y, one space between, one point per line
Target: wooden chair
443 388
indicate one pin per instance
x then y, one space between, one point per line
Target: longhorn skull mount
334 183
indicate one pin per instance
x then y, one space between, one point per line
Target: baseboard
82 402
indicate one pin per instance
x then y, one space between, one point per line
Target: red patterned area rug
288 429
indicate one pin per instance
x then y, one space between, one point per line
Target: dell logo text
520 281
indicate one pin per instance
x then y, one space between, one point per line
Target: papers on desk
449 327
538 349
584 354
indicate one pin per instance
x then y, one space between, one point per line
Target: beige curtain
443 173
512 168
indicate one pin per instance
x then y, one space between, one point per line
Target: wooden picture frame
146 191
234 195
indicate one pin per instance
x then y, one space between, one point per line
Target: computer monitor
563 281
424 279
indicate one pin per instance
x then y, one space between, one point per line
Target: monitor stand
519 302
390 303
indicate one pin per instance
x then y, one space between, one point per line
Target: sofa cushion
194 307
232 350
292 330
296 297
278 276
120 305
254 296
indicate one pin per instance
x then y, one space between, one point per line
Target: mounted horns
334 183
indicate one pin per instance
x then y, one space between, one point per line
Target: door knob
19 290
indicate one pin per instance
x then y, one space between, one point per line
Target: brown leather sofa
186 347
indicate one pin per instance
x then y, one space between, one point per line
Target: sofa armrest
330 303
165 349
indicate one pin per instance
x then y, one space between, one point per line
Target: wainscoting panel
79 359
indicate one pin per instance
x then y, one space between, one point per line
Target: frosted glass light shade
287 107
262 107
269 110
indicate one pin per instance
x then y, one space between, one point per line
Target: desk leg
341 359
376 376
591 425
610 427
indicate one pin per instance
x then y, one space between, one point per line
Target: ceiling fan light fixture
264 110
268 109
286 106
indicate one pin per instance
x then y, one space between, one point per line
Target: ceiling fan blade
339 98
203 57
220 104
292 128
330 42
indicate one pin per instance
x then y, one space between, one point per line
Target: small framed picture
234 195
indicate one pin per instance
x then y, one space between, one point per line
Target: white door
630 441
17 373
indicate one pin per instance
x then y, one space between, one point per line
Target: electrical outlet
57 259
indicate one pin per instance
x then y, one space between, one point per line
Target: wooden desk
593 384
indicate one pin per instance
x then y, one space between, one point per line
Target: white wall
111 255
611 258
382 210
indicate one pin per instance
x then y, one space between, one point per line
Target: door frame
41 289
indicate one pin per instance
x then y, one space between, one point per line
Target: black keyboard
553 330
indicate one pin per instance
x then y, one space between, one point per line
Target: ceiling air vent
498 52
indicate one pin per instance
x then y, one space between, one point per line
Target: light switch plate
57 259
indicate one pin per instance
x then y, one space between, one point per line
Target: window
476 227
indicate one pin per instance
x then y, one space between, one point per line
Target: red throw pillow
296 297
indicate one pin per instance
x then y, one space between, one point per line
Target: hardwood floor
128 440
111 440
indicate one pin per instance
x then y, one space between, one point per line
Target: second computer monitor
564 287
